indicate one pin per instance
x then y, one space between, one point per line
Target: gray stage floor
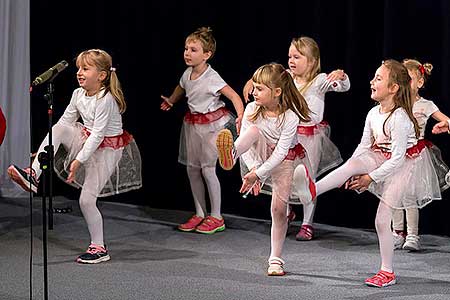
152 260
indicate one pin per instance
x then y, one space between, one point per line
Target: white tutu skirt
414 184
281 177
323 153
115 167
440 166
198 137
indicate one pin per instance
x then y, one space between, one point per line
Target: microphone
51 73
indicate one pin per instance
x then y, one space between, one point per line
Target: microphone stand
45 159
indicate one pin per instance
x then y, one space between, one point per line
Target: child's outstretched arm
168 102
228 92
330 84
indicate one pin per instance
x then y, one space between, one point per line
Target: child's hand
359 183
166 105
441 127
238 124
73 170
336 75
248 89
250 181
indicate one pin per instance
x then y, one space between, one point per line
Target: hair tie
112 69
422 69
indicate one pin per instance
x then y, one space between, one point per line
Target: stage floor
150 259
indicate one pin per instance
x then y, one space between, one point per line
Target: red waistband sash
309 130
297 152
115 142
197 118
411 152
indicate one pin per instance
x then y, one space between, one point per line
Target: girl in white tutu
387 162
98 155
207 115
268 148
323 155
423 109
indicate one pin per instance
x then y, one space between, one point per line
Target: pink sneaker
24 177
306 233
95 254
191 224
381 279
304 186
211 225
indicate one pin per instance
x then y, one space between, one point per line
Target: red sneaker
191 224
381 279
211 225
305 234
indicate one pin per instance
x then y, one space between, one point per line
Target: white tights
198 190
281 189
384 213
93 183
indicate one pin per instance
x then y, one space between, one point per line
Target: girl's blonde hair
422 70
205 37
275 76
398 74
103 62
309 48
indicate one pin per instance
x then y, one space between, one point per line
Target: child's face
264 96
194 54
298 63
380 85
89 78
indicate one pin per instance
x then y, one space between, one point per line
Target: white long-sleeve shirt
315 95
100 116
277 131
400 135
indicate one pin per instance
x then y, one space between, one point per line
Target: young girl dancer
207 114
422 110
323 155
268 147
100 157
387 162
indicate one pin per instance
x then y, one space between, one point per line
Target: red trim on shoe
305 233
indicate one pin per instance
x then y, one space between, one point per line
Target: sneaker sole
99 260
410 248
384 285
276 273
186 229
20 180
218 229
224 143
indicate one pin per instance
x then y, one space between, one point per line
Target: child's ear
277 92
102 76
